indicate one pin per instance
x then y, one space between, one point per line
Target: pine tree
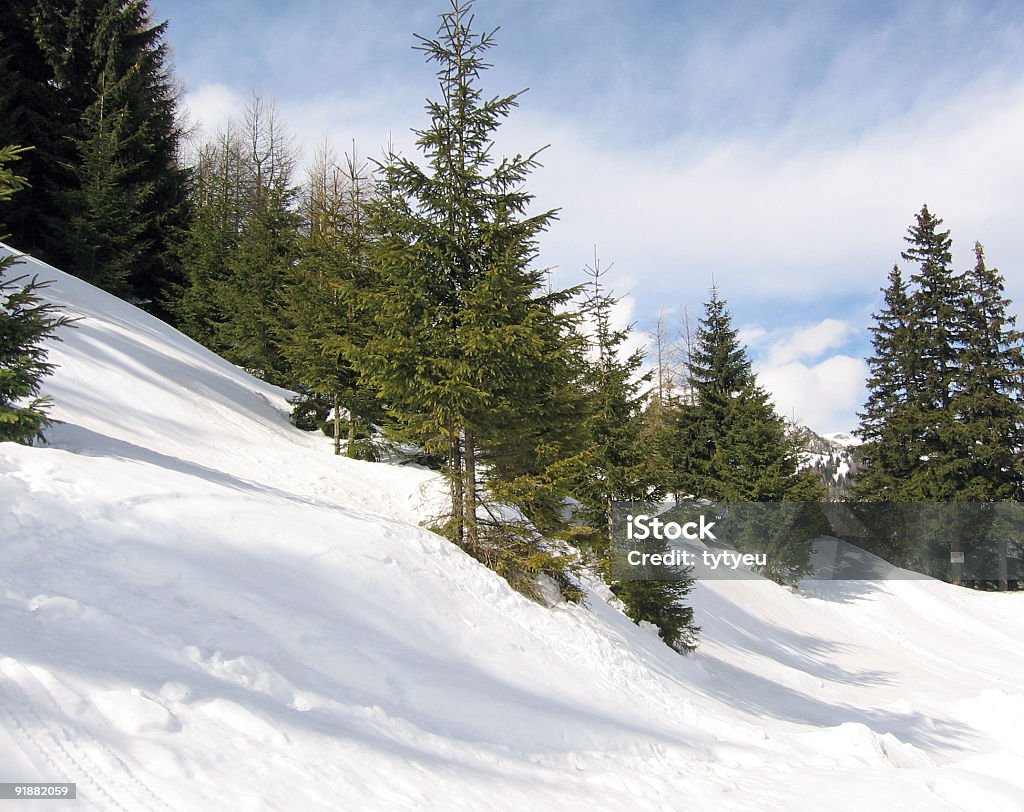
26 322
618 466
109 195
326 322
738 450
463 322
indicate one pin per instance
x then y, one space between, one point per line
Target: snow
842 439
202 608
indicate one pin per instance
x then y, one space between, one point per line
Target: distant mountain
834 456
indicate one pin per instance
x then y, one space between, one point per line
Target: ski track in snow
103 780
202 608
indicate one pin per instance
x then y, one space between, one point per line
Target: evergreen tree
891 446
937 338
26 322
241 249
943 420
463 324
108 194
32 111
219 204
325 321
990 400
618 467
738 450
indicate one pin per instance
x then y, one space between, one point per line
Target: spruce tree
718 371
738 448
242 246
326 322
937 337
618 470
219 203
32 111
108 195
462 319
990 400
943 416
891 447
26 323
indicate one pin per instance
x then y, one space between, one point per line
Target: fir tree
739 451
26 322
123 198
618 466
463 324
325 321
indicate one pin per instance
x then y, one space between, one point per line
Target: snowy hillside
202 608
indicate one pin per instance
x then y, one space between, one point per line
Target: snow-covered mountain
833 456
202 608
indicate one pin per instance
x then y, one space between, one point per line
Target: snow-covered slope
202 608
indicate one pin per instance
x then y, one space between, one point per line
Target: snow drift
202 608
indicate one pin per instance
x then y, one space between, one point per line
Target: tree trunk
469 513
337 423
1004 574
456 483
351 450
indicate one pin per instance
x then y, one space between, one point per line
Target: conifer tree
738 448
32 111
463 323
243 243
326 322
990 403
891 445
123 198
26 322
719 371
618 470
937 338
943 419
220 205
618 467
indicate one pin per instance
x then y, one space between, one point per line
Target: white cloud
795 216
824 396
210 107
810 342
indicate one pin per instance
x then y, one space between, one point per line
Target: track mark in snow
70 751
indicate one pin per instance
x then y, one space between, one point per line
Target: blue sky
780 149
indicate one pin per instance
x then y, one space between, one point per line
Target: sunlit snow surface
202 608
